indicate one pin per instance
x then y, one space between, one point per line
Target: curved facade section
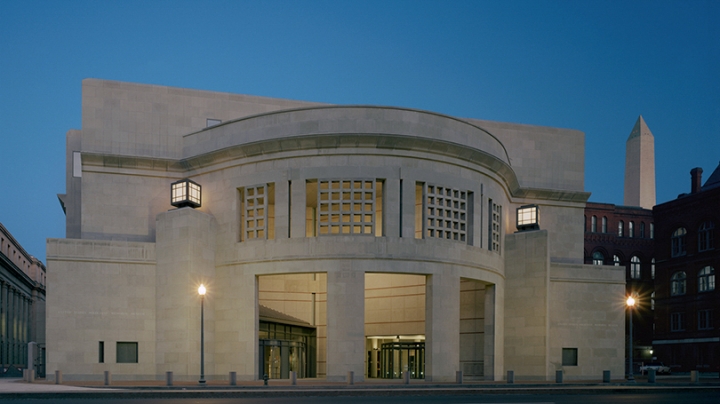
373 240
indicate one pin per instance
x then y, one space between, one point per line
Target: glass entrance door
400 357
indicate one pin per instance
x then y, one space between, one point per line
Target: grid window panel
446 213
255 204
496 220
346 207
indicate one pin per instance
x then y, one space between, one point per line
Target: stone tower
640 167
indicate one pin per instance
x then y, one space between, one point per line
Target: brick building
687 330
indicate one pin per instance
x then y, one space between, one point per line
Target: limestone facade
22 308
370 225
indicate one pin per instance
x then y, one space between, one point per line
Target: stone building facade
377 240
22 308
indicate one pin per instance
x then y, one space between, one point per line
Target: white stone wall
101 291
491 307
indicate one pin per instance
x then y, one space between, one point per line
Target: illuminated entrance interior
286 345
392 356
396 358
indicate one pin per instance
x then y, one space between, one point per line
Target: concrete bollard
169 378
351 377
459 377
58 377
293 378
606 376
30 375
108 378
694 376
25 377
651 375
233 378
558 376
406 378
510 376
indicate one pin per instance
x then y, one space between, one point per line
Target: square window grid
704 320
255 212
445 213
346 207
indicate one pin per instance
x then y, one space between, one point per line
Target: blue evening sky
594 66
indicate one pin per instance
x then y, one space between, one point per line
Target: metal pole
202 339
630 347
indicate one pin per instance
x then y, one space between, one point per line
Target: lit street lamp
201 292
630 303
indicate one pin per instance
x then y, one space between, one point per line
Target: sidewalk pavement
16 386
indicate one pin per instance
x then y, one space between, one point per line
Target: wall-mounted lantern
185 193
528 218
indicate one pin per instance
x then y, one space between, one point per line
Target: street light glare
630 301
201 290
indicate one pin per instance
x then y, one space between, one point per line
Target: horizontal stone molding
100 251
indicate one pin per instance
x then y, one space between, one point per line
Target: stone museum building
22 309
328 239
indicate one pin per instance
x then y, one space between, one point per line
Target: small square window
569 357
127 352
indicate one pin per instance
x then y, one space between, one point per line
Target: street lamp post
630 303
201 292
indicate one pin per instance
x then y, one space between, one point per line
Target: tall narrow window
598 258
621 229
631 229
642 229
652 301
101 351
446 211
652 230
677 283
494 227
705 236
704 319
616 260
593 224
706 279
604 224
652 268
257 212
635 267
678 242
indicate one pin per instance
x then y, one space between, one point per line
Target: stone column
408 208
391 208
345 323
11 325
282 210
297 208
185 248
442 327
236 322
3 324
494 335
